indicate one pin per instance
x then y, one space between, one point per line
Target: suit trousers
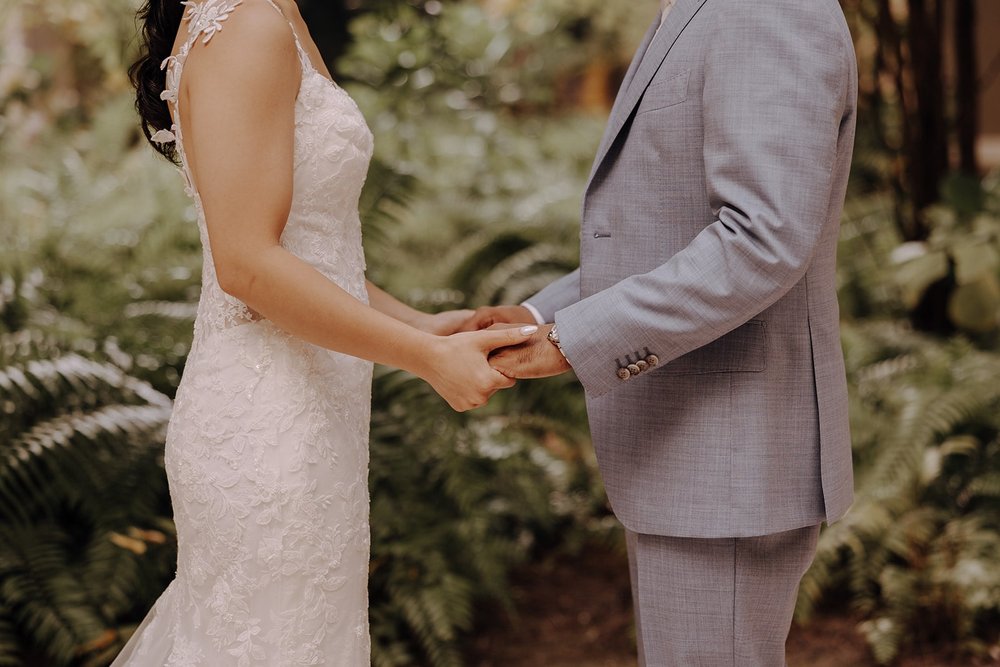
723 602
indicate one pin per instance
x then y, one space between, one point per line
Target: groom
703 320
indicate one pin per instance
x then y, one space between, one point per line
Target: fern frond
172 310
69 455
926 417
41 594
504 282
10 650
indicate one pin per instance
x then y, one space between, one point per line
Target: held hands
458 370
444 324
536 357
453 321
487 316
494 347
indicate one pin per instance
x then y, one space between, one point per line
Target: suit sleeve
556 296
775 95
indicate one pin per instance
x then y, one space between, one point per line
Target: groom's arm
558 295
775 96
540 308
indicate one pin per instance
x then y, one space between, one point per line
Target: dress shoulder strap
303 56
206 18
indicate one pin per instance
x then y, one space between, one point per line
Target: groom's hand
487 316
535 358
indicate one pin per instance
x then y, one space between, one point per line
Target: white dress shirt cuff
534 313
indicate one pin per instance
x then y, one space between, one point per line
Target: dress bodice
333 148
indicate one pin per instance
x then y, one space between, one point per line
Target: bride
267 446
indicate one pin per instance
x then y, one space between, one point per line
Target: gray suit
703 321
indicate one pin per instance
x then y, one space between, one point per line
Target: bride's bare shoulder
252 44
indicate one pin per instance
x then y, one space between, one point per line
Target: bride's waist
342 264
334 225
340 258
260 348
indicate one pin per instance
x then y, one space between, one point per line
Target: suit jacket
703 320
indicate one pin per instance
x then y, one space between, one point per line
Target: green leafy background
482 151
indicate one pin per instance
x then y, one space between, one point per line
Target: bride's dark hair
159 21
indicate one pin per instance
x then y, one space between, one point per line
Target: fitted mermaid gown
267 446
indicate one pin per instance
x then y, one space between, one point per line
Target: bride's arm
239 124
442 324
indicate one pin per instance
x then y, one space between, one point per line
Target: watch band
553 337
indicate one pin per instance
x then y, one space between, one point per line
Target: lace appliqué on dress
207 17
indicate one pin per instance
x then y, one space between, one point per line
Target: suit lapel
619 99
636 61
644 66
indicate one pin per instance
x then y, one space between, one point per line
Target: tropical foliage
474 198
916 556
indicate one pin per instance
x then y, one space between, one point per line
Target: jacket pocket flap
662 94
742 350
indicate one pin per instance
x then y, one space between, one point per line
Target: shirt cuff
534 312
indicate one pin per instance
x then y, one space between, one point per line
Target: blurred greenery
485 123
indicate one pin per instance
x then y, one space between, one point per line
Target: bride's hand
458 368
443 324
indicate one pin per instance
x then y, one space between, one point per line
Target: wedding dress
267 446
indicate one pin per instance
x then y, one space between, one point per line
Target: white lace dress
267 447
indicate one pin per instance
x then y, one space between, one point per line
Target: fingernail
529 330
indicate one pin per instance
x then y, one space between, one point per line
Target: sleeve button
624 374
653 360
633 369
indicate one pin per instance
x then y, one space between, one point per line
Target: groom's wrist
553 337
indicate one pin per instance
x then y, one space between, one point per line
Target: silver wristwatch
553 337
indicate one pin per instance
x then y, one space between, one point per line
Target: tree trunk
967 97
891 67
927 149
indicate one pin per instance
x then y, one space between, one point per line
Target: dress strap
204 18
303 56
207 17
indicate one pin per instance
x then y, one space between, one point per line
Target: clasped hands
505 338
536 357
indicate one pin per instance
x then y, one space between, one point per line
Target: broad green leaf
916 275
973 258
975 306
